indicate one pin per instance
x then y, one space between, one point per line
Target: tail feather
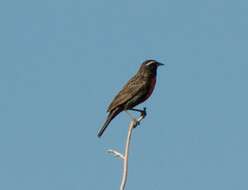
109 119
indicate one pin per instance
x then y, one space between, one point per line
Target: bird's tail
111 116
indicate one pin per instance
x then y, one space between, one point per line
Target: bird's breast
151 87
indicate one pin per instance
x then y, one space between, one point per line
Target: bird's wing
133 86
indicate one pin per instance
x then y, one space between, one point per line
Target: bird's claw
136 122
143 113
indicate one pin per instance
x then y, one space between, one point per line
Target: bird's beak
160 64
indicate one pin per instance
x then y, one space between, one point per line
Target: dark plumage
136 91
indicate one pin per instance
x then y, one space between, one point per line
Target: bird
138 89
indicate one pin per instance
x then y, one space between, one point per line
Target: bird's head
150 67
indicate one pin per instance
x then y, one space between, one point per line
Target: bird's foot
142 115
142 112
136 122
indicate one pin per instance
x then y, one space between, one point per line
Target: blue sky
62 62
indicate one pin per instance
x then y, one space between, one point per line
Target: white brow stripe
149 63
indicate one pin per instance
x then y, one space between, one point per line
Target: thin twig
115 153
134 122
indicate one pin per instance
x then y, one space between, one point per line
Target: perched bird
137 90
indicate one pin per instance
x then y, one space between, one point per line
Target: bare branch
115 153
134 122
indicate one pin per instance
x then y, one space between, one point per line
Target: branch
134 122
115 153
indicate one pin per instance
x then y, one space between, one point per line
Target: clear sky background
62 62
